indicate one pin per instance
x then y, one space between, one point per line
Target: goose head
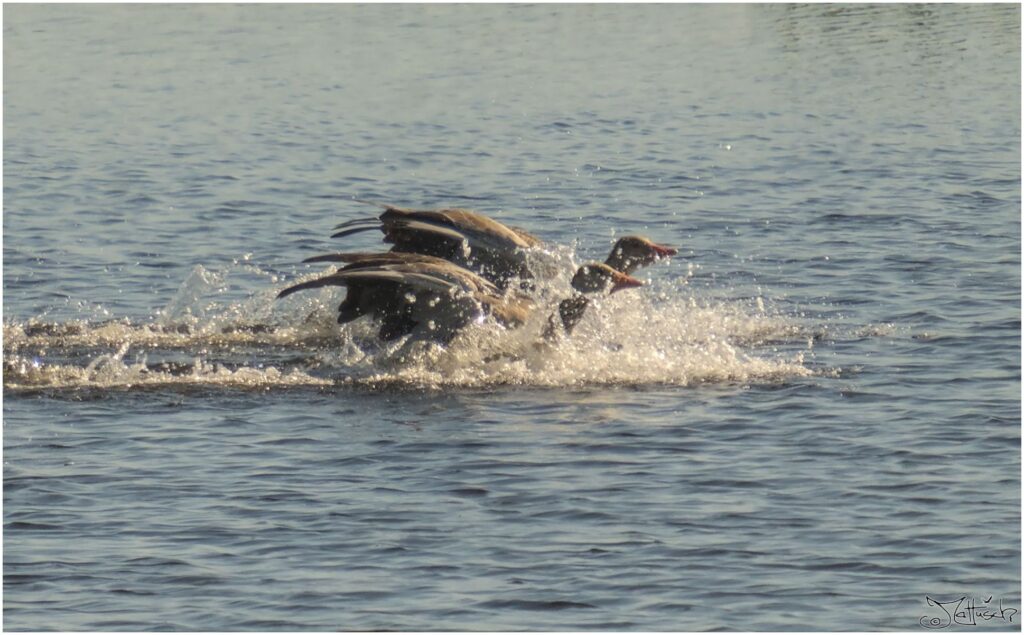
632 252
596 277
590 279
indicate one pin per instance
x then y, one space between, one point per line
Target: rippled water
810 419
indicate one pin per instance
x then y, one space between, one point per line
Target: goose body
406 293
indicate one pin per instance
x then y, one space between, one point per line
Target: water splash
664 334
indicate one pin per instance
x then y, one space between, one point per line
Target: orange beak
663 252
623 281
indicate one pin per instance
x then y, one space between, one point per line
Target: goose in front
430 298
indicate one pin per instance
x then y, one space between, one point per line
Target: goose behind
492 249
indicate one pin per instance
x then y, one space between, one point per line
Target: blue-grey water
809 419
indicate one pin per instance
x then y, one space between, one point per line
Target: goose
436 299
478 242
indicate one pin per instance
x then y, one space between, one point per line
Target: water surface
810 419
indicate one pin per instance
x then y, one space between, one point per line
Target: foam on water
663 333
110 371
